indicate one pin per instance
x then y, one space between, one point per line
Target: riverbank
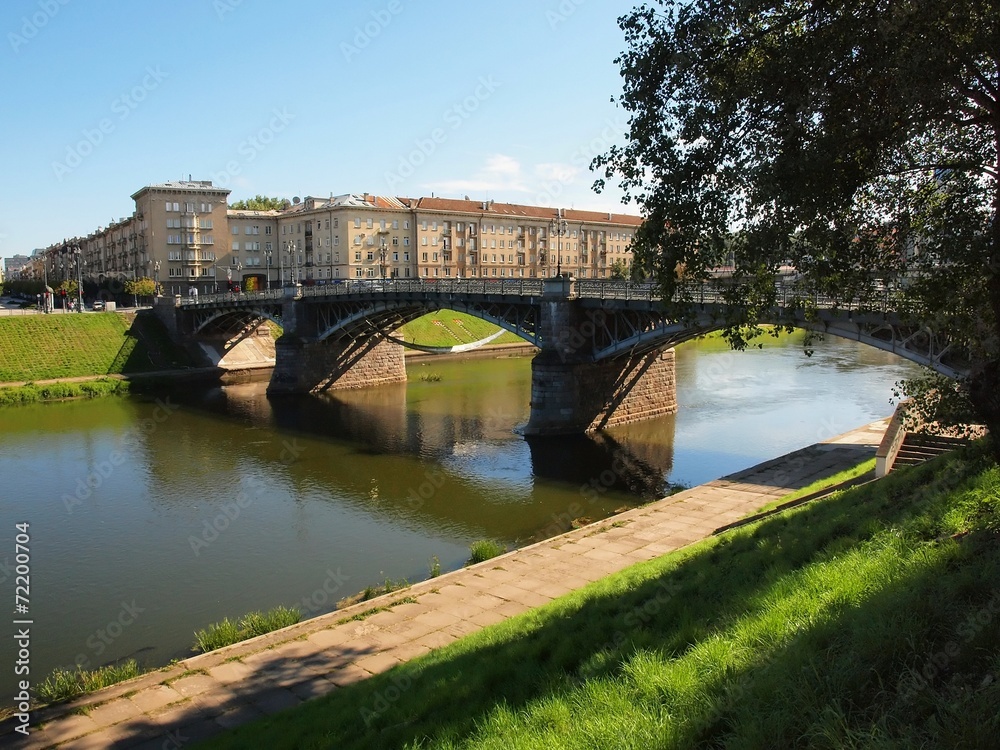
199 696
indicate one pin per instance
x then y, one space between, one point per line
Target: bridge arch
244 315
388 315
916 343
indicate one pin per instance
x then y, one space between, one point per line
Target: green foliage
32 393
484 549
23 286
619 270
141 287
261 203
62 684
250 625
865 620
435 567
856 142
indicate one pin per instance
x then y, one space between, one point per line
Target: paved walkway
201 696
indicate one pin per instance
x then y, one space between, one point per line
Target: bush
484 549
251 625
63 684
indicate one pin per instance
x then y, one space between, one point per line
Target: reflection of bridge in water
605 355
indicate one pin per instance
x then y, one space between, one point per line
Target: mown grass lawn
868 619
450 328
42 347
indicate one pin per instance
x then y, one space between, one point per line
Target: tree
261 203
619 270
856 141
141 287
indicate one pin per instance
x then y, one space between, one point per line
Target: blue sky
504 101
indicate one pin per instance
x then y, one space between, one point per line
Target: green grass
251 625
484 549
867 619
864 467
63 684
450 328
370 592
32 393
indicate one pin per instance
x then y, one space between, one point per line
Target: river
151 518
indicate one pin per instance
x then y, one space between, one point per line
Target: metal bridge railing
713 292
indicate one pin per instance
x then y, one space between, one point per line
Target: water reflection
370 483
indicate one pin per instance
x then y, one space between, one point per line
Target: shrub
251 625
64 684
484 549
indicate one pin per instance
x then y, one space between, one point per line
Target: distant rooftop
182 185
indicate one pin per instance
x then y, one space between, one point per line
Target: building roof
492 208
192 186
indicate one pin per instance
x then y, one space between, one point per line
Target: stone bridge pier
304 363
573 393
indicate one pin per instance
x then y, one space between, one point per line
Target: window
423 241
423 225
189 208
395 241
381 224
370 223
336 222
236 245
434 241
267 230
336 240
371 256
406 256
423 257
357 255
236 230
235 260
406 223
395 223
357 223
406 242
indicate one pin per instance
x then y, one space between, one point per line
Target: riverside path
206 694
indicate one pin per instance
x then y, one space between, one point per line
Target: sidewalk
201 696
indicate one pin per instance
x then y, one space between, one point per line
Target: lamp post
381 255
268 279
156 277
78 252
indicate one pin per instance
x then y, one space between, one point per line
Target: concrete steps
918 448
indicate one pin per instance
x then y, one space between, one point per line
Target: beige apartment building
184 235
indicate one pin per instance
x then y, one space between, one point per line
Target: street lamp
381 255
268 279
156 277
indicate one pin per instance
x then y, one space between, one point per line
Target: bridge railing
510 287
202 299
714 292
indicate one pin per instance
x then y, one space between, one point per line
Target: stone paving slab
207 694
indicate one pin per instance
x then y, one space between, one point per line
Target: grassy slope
448 328
43 347
869 619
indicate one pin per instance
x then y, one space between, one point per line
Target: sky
504 101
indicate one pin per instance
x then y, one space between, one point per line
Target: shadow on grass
705 648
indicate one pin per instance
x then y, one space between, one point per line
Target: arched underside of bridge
617 333
382 317
231 338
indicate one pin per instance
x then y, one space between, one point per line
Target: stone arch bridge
605 348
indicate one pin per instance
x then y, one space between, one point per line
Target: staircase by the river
917 448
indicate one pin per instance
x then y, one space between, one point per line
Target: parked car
97 305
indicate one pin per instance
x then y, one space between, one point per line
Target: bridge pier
571 393
303 366
568 398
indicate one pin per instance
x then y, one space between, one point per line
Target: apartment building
184 235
